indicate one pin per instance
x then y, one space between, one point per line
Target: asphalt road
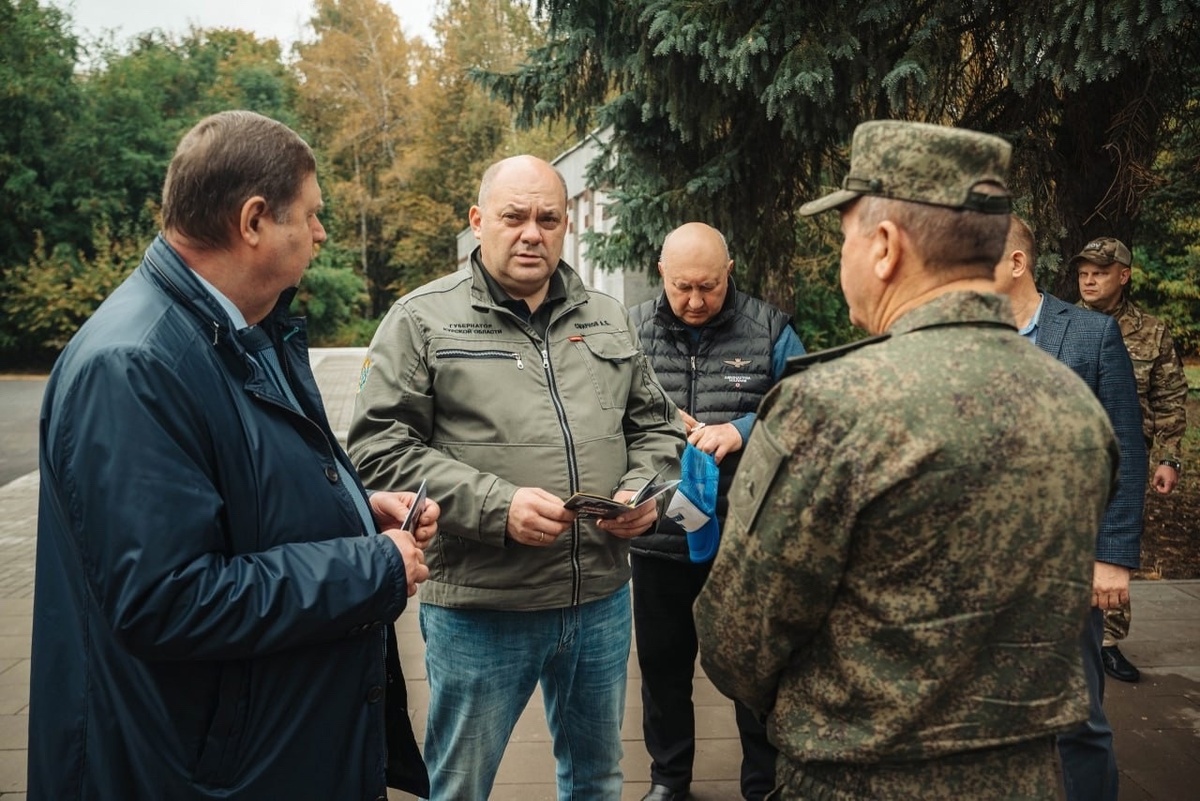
20 403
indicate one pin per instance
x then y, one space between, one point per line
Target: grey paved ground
20 403
1157 721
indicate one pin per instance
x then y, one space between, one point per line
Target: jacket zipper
457 353
572 472
693 378
568 438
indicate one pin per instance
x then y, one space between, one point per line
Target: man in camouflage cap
905 567
1103 268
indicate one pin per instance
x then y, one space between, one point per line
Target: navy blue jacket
211 620
1090 344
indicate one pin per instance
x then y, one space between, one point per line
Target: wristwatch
1174 464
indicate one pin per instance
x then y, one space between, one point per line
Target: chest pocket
607 358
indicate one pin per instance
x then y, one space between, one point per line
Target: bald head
695 268
522 165
521 223
688 238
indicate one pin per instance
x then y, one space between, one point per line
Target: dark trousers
663 593
1089 764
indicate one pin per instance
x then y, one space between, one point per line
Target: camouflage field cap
1105 251
922 163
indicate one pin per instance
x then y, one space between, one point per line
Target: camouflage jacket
907 558
1162 385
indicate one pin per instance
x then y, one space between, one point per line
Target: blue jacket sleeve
786 346
1120 538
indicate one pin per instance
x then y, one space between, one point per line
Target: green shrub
47 299
331 296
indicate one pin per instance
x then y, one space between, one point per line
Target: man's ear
886 250
1020 263
250 225
1125 273
475 218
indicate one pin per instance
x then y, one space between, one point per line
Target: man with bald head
716 351
509 386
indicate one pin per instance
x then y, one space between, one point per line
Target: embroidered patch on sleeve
362 376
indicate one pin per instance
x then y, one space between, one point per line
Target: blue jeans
483 666
1089 764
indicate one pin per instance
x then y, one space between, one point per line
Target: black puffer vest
717 378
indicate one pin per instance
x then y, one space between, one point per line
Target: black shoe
1117 666
660 792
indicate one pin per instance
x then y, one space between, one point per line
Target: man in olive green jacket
508 387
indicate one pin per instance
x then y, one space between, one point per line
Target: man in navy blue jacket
215 590
1090 344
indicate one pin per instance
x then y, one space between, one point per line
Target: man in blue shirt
1090 344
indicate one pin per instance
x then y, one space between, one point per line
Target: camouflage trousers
1025 771
1116 624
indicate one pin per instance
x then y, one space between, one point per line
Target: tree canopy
37 99
401 136
733 112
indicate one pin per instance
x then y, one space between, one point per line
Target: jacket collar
1129 309
481 296
1126 309
167 268
956 308
1052 323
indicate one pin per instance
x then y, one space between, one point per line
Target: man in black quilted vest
716 351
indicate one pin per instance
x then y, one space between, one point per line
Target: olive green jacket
459 391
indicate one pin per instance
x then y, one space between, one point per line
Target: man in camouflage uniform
906 566
1103 269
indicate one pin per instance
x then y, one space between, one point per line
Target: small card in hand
413 518
587 505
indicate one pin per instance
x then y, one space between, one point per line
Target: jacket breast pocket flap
760 465
608 359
